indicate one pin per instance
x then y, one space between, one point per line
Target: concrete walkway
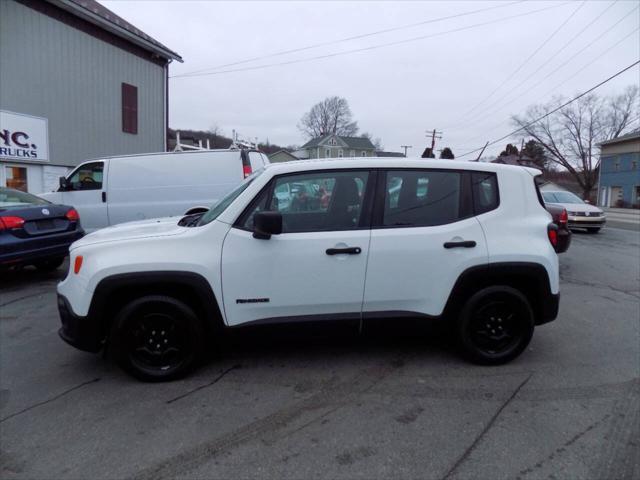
626 218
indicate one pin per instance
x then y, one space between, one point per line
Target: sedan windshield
216 209
561 197
10 198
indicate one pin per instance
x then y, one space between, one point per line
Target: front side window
219 207
86 177
313 202
422 198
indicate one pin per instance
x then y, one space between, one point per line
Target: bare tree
332 115
377 142
570 135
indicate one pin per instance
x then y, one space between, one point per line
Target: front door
313 270
424 235
86 192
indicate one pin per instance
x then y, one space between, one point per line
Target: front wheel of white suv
495 325
157 338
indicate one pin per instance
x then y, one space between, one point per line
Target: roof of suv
384 162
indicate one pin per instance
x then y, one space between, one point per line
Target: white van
114 190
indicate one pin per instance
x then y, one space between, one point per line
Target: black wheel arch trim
101 310
529 277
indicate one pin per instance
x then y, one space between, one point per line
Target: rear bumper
25 252
550 309
77 331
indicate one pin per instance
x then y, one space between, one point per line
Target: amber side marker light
77 264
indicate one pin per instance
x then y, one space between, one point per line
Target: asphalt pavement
391 406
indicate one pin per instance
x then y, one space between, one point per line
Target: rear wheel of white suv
157 338
495 325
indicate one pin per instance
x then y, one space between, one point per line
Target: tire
495 325
593 230
49 265
157 338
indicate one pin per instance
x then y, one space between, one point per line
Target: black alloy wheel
157 338
496 325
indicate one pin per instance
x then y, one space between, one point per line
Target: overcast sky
396 92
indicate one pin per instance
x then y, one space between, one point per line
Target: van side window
87 177
485 192
423 198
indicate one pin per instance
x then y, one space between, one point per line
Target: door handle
348 251
462 244
104 197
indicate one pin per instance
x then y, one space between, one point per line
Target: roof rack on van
181 147
238 143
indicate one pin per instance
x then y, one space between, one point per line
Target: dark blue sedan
34 231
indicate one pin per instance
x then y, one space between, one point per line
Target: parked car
114 190
475 248
34 231
560 218
580 213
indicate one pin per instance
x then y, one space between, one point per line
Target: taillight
72 215
564 217
552 233
7 223
246 170
77 264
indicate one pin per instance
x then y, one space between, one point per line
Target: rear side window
485 192
542 197
422 198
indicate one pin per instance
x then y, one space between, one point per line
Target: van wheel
49 265
157 338
495 325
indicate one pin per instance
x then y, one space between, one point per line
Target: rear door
86 192
424 234
314 269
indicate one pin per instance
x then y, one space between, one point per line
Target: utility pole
434 134
405 148
481 152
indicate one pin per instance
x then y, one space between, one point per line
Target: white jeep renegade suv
353 240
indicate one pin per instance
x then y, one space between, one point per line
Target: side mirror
266 224
64 184
586 201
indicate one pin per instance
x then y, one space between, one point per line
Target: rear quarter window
484 186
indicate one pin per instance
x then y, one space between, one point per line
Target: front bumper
84 333
586 222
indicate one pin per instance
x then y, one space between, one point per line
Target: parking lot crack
484 431
212 382
52 399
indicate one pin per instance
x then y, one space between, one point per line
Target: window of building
616 165
363 154
353 153
17 178
422 198
86 177
340 153
129 108
327 153
634 165
313 202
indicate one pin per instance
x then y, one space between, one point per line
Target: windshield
10 198
561 197
216 209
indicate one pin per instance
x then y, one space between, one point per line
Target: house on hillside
331 146
77 82
282 156
619 182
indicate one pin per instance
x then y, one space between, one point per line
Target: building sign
23 137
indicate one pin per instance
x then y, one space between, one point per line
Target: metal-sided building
76 82
619 183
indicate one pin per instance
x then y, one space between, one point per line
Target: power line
375 47
502 104
526 61
568 78
554 110
347 39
